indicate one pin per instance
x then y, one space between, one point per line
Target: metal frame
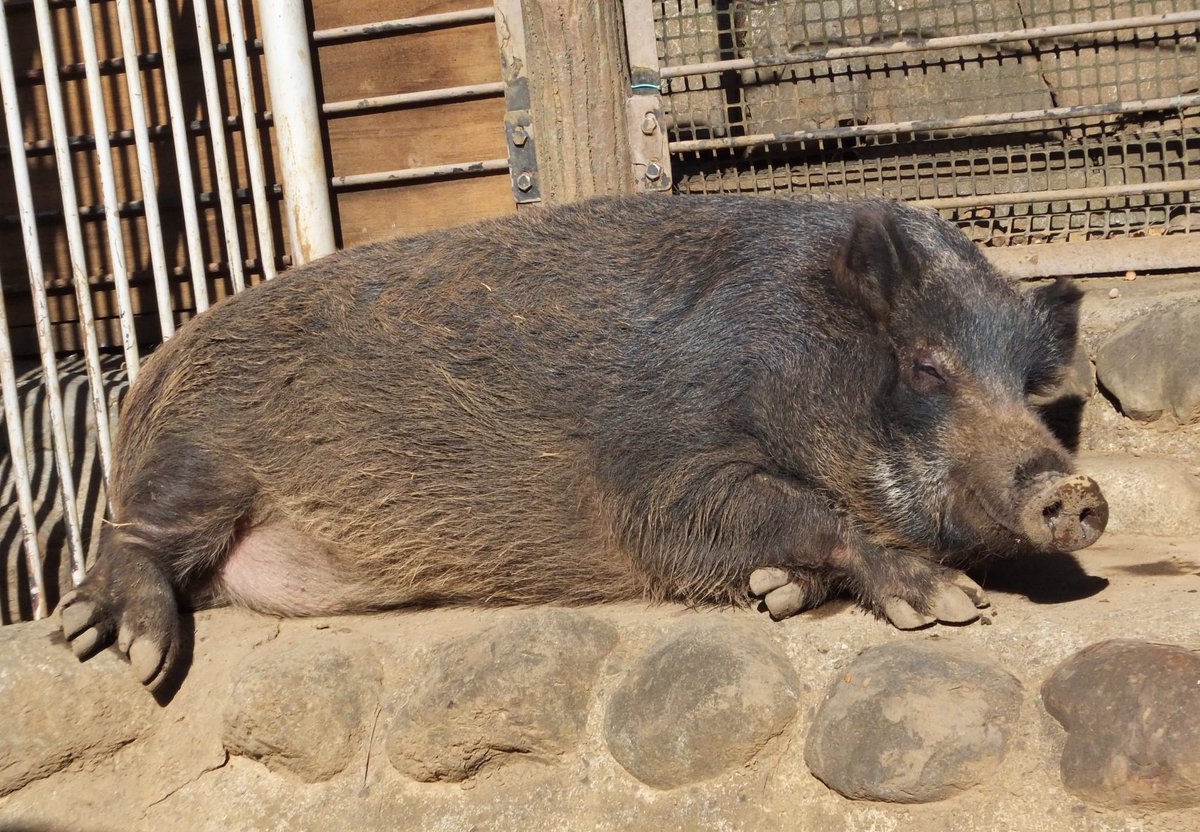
726 153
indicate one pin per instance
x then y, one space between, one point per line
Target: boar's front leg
813 551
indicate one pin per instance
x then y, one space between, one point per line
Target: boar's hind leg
785 592
126 596
175 519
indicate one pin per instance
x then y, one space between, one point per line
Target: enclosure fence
1026 122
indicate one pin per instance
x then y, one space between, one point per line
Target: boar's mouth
985 506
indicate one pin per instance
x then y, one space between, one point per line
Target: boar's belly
275 568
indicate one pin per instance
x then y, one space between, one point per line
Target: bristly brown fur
627 398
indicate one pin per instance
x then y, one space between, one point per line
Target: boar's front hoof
1064 513
956 601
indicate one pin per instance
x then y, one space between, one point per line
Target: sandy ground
1044 610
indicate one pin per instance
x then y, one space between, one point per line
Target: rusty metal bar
251 140
403 99
404 25
183 160
933 44
76 251
145 165
1097 192
219 154
430 172
41 313
1174 103
8 379
297 119
108 186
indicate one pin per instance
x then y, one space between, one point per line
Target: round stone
701 701
912 722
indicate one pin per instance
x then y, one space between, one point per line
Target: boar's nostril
1064 513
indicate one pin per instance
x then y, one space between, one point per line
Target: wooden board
368 142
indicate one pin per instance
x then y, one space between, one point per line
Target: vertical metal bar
141 139
112 221
75 246
220 155
183 158
8 381
518 124
251 139
37 288
18 455
643 104
297 121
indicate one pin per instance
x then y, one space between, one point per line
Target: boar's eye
928 374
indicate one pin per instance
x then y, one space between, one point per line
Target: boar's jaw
1063 513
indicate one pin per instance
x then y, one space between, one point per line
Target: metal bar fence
12 118
1063 123
40 513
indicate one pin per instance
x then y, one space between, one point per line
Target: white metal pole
297 121
251 139
108 186
8 380
20 459
183 158
141 139
37 288
75 246
220 155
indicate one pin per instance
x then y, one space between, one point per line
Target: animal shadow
1042 578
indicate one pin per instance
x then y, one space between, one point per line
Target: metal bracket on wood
644 106
518 125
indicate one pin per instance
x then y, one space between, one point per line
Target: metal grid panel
845 124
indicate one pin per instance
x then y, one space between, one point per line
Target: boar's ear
874 263
1060 303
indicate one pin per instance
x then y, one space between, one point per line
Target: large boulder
912 722
300 704
1150 365
58 711
1130 709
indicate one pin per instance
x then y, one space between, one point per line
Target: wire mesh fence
1025 121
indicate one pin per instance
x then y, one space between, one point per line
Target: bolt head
654 171
519 136
524 181
650 124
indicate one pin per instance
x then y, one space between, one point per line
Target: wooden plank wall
360 143
417 136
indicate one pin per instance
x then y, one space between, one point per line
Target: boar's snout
1063 513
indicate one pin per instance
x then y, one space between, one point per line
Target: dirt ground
178 776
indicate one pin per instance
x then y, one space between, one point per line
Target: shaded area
1042 578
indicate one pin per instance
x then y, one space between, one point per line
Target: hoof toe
951 605
973 590
147 660
766 579
785 600
902 615
85 642
77 615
